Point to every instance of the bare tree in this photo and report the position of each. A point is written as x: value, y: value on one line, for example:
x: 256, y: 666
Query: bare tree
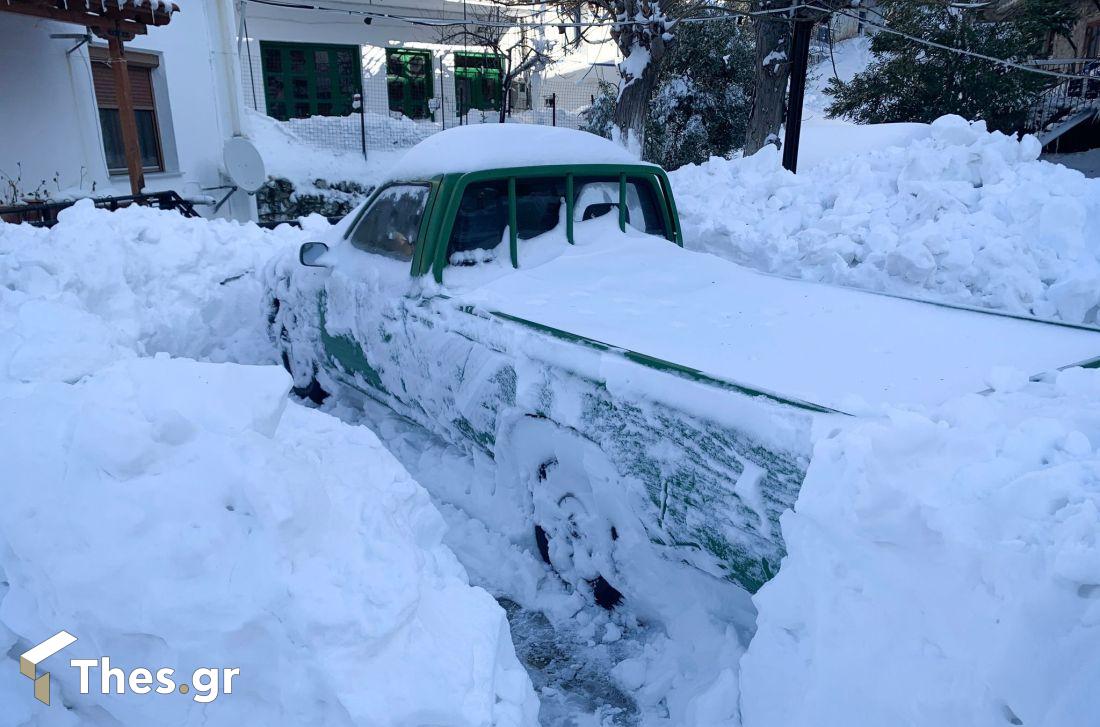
x: 519, y: 48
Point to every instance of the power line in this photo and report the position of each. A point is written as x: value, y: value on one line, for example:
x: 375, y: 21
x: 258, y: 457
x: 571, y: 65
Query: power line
x: 722, y: 14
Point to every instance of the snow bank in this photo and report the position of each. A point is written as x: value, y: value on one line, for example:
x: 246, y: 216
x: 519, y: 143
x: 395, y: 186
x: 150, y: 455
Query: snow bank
x: 942, y: 569
x: 139, y: 280
x: 288, y: 155
x: 961, y: 215
x: 172, y: 513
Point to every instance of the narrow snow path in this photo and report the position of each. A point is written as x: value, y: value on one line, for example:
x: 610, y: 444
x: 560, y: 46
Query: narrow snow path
x: 589, y: 667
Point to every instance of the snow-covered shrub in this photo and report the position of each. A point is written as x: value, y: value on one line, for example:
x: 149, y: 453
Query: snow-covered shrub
x: 700, y: 106
x: 943, y: 568
x: 959, y: 215
x: 599, y: 117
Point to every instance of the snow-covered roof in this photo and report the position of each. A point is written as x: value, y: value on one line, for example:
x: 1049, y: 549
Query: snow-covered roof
x: 494, y: 146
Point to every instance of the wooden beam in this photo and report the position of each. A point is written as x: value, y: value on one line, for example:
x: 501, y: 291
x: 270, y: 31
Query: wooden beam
x: 126, y: 116
x: 132, y: 20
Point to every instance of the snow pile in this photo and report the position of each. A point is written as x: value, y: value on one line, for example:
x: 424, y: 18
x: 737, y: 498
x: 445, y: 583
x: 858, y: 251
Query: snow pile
x: 172, y: 513
x: 943, y: 569
x: 140, y: 280
x: 289, y: 155
x: 960, y: 215
x: 383, y: 131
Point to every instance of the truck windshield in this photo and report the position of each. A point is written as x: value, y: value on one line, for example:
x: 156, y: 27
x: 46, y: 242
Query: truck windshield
x: 391, y: 224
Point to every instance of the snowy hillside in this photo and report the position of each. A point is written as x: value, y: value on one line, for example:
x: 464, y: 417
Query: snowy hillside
x: 173, y: 512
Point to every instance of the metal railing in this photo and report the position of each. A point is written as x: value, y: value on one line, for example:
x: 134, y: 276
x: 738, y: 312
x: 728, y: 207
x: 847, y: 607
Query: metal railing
x: 44, y: 214
x: 1065, y: 98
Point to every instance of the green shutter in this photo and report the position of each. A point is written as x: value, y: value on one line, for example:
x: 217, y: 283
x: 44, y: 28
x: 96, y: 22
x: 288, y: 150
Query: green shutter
x: 409, y: 75
x: 310, y: 79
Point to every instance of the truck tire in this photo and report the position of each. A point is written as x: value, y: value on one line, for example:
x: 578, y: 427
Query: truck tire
x: 571, y: 533
x: 312, y: 391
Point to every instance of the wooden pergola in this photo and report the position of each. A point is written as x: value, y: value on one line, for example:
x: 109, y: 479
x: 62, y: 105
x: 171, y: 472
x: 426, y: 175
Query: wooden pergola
x: 116, y: 21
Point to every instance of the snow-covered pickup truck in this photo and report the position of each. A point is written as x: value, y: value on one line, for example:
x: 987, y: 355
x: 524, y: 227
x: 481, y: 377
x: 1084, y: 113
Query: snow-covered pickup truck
x: 523, y: 292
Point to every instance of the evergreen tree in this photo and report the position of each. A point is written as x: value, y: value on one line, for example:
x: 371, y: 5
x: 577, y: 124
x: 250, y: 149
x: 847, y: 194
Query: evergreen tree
x: 909, y: 81
x: 701, y: 102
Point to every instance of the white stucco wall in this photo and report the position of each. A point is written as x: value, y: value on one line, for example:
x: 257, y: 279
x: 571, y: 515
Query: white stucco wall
x: 50, y: 123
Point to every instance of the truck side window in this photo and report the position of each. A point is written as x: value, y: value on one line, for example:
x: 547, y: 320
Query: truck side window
x: 538, y: 205
x: 482, y: 219
x: 597, y: 196
x: 391, y: 224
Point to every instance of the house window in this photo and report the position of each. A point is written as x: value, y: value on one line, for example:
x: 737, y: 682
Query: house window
x: 478, y: 78
x: 409, y: 81
x: 140, y: 67
x: 309, y: 79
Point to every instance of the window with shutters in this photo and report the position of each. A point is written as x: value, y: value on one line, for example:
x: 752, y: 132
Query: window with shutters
x: 140, y: 67
x: 309, y: 79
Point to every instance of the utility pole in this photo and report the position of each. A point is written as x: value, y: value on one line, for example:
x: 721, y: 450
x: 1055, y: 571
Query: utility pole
x: 800, y: 56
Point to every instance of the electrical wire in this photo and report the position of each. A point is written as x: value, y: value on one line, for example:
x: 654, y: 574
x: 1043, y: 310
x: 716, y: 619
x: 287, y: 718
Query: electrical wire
x: 723, y: 14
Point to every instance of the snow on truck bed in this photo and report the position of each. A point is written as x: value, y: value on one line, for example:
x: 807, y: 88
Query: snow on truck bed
x: 826, y: 345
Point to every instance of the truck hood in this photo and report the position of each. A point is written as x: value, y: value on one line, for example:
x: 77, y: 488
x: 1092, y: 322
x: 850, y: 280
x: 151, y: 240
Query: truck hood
x: 836, y: 347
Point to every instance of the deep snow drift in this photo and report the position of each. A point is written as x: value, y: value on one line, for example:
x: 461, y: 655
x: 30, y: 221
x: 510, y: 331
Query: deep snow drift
x: 958, y: 214
x: 174, y: 513
x: 943, y: 568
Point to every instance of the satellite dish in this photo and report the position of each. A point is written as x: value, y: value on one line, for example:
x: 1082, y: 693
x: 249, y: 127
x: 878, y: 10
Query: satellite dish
x: 244, y: 164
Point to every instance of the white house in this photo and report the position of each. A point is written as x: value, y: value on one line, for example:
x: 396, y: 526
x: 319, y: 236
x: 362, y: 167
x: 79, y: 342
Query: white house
x: 195, y: 67
x: 60, y: 129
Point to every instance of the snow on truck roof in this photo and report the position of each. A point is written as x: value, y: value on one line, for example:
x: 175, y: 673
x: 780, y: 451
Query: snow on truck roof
x: 818, y: 343
x: 480, y: 147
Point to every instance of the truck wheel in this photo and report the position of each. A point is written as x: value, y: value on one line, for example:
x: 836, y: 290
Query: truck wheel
x: 567, y: 541
x: 570, y: 533
x: 313, y: 390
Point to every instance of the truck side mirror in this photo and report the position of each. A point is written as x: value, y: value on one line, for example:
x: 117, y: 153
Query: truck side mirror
x: 310, y: 254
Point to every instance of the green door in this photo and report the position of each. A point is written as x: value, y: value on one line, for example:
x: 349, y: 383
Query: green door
x: 478, y: 82
x: 310, y: 79
x: 409, y: 81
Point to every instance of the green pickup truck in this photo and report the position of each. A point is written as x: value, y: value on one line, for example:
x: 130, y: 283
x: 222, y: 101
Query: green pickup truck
x: 523, y: 292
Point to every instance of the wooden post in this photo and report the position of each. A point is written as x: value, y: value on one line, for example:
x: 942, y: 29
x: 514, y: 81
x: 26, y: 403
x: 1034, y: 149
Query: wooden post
x: 126, y: 116
x: 800, y: 53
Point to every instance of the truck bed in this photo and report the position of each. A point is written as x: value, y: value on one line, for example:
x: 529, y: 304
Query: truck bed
x: 827, y: 345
